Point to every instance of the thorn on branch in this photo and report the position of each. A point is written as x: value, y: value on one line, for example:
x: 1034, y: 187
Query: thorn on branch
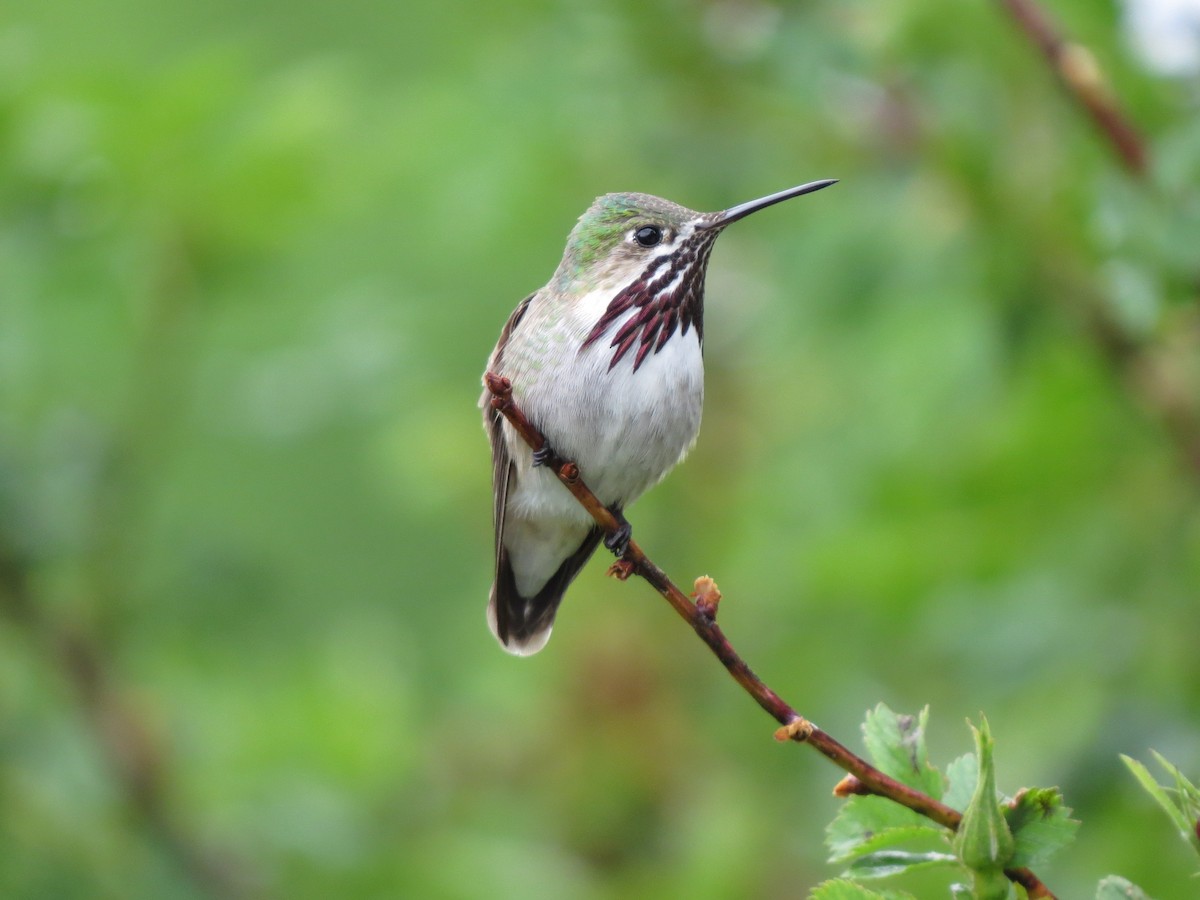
x: 851, y: 787
x: 621, y: 569
x: 799, y: 729
x: 500, y: 387
x: 707, y: 596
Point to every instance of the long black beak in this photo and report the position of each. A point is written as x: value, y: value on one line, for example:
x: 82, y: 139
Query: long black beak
x: 721, y: 219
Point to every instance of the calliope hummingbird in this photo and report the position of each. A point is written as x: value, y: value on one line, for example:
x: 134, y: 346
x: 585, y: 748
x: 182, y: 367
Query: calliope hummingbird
x: 606, y: 362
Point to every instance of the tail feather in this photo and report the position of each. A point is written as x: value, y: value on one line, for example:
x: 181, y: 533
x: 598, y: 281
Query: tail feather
x: 522, y: 625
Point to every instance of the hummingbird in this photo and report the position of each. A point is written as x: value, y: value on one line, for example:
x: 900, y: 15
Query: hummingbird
x: 606, y: 361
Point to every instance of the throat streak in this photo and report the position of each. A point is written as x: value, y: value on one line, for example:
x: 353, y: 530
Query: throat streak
x: 668, y: 295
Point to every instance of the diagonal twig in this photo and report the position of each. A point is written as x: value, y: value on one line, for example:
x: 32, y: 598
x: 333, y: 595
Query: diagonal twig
x: 1143, y: 364
x: 1077, y: 70
x: 701, y: 616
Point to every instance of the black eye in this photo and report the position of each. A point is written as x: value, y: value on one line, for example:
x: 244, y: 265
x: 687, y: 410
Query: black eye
x: 648, y: 235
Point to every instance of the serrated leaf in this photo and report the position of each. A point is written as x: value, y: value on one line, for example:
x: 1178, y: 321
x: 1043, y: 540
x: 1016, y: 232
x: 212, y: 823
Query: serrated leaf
x: 910, y: 834
x: 1040, y: 824
x: 842, y: 889
x: 885, y: 863
x: 1114, y: 887
x: 1181, y: 803
x: 867, y: 823
x: 1155, y: 790
x: 896, y: 744
x: 1188, y: 792
x: 961, y: 777
x: 1188, y: 798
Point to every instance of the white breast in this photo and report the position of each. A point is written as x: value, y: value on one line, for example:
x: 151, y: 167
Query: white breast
x: 626, y: 429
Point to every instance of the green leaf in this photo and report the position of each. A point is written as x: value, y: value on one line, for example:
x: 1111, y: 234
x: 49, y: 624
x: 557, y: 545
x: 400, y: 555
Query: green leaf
x: 1155, y: 790
x: 865, y: 824
x: 1114, y: 887
x: 961, y: 776
x: 894, y: 837
x: 885, y: 863
x: 1040, y: 824
x: 983, y: 841
x: 896, y: 744
x: 842, y: 889
x: 1181, y: 802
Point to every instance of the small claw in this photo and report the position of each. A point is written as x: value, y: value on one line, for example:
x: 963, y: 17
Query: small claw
x: 543, y: 455
x: 618, y: 541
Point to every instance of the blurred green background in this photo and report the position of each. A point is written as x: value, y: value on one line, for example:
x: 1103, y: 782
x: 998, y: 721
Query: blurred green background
x: 252, y: 260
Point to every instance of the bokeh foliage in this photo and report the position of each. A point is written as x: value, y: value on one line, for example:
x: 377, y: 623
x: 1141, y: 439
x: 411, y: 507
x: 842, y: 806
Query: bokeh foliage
x: 252, y: 259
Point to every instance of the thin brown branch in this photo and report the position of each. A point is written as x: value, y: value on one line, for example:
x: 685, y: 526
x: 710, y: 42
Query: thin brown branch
x: 1078, y: 72
x: 701, y: 617
x: 1145, y: 366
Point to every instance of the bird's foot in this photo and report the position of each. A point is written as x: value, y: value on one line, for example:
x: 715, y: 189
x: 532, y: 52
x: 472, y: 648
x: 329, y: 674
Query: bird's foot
x: 544, y: 455
x: 618, y: 541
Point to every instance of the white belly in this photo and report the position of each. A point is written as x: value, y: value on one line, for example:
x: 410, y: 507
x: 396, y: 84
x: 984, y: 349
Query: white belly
x: 625, y: 429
